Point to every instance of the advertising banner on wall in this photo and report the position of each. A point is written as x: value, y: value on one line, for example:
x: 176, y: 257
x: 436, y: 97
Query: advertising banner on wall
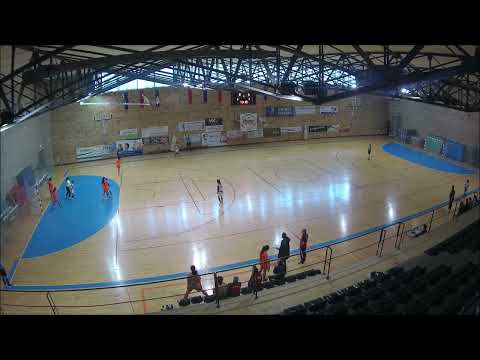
x: 280, y: 111
x: 94, y: 152
x: 195, y: 139
x: 196, y: 125
x: 255, y: 134
x: 248, y: 121
x: 333, y: 128
x: 155, y: 131
x: 213, y: 124
x: 328, y: 109
x: 129, y: 147
x: 155, y: 135
x: 317, y: 128
x: 305, y: 110
x: 271, y: 132
x: 126, y: 134
x: 218, y: 138
x: 291, y: 129
x: 236, y: 135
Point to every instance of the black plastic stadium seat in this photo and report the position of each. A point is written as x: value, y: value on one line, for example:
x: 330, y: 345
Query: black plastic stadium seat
x: 379, y: 277
x: 312, y: 272
x: 382, y: 306
x: 416, y: 307
x: 367, y: 284
x: 315, y: 305
x: 391, y: 285
x: 435, y: 296
x: 336, y: 309
x: 395, y: 271
x: 184, y: 302
x: 246, y: 290
x: 301, y: 276
x: 352, y: 291
x: 453, y: 305
x: 268, y: 285
x: 365, y: 310
x: 290, y: 279
x: 209, y: 298
x: 295, y: 310
x: 335, y: 297
x: 418, y: 271
x: 401, y: 296
x: 407, y: 277
x: 374, y: 293
x: 418, y: 286
x: 357, y: 301
x: 197, y: 299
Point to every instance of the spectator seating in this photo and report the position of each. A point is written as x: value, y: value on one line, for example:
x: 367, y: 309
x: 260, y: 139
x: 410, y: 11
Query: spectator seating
x: 396, y: 291
x: 467, y: 238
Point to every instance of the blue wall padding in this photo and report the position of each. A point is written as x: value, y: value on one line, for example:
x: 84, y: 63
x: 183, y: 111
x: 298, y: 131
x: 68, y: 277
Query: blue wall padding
x: 455, y: 150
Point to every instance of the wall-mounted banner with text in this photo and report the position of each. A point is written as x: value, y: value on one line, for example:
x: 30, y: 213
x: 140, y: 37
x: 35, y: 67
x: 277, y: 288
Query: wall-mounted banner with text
x: 218, y: 138
x: 129, y: 147
x: 248, y: 121
x: 305, y: 110
x: 291, y: 129
x: 195, y: 139
x: 95, y: 152
x: 271, y: 132
x: 280, y: 111
x: 213, y: 124
x: 255, y: 134
x: 196, y: 125
x: 236, y: 135
x: 126, y: 134
x: 317, y: 128
x: 328, y: 109
x: 155, y: 135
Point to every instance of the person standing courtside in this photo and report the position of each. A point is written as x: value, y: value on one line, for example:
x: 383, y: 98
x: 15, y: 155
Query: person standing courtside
x: 466, y: 186
x: 369, y: 150
x: 264, y: 263
x: 303, y: 246
x: 4, y: 276
x: 284, y: 250
x: 451, y: 197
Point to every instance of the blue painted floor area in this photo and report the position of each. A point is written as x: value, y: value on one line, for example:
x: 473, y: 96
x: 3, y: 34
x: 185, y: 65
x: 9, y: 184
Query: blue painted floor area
x: 77, y: 219
x: 426, y: 160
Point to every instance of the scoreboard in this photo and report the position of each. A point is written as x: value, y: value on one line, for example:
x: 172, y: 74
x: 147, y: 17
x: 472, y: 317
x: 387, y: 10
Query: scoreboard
x: 243, y: 98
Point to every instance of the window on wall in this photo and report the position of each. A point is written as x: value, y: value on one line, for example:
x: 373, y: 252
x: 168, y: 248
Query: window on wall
x: 131, y: 85
x: 138, y: 84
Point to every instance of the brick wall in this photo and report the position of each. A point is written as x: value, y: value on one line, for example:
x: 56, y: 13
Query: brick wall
x: 73, y: 126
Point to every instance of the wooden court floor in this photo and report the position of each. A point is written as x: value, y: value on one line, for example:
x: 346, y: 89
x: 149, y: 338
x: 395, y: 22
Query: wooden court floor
x: 169, y: 216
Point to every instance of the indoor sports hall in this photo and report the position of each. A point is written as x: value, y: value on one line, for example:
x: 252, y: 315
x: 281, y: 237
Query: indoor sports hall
x: 296, y: 179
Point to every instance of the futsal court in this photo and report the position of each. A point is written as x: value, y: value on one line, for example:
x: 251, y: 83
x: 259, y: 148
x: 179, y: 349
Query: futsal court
x: 164, y: 215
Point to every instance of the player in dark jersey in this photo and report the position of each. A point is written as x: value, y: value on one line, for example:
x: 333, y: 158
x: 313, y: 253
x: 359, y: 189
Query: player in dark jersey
x: 220, y: 191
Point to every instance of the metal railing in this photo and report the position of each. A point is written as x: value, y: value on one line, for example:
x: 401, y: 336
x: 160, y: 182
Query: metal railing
x: 61, y: 299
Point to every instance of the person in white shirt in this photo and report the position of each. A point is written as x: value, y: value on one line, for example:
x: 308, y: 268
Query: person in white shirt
x: 467, y: 184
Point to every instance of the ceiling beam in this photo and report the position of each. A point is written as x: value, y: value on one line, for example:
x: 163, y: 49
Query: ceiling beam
x: 293, y: 58
x: 364, y: 55
x: 402, y: 80
x: 139, y: 57
x: 36, y: 62
x: 409, y: 57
